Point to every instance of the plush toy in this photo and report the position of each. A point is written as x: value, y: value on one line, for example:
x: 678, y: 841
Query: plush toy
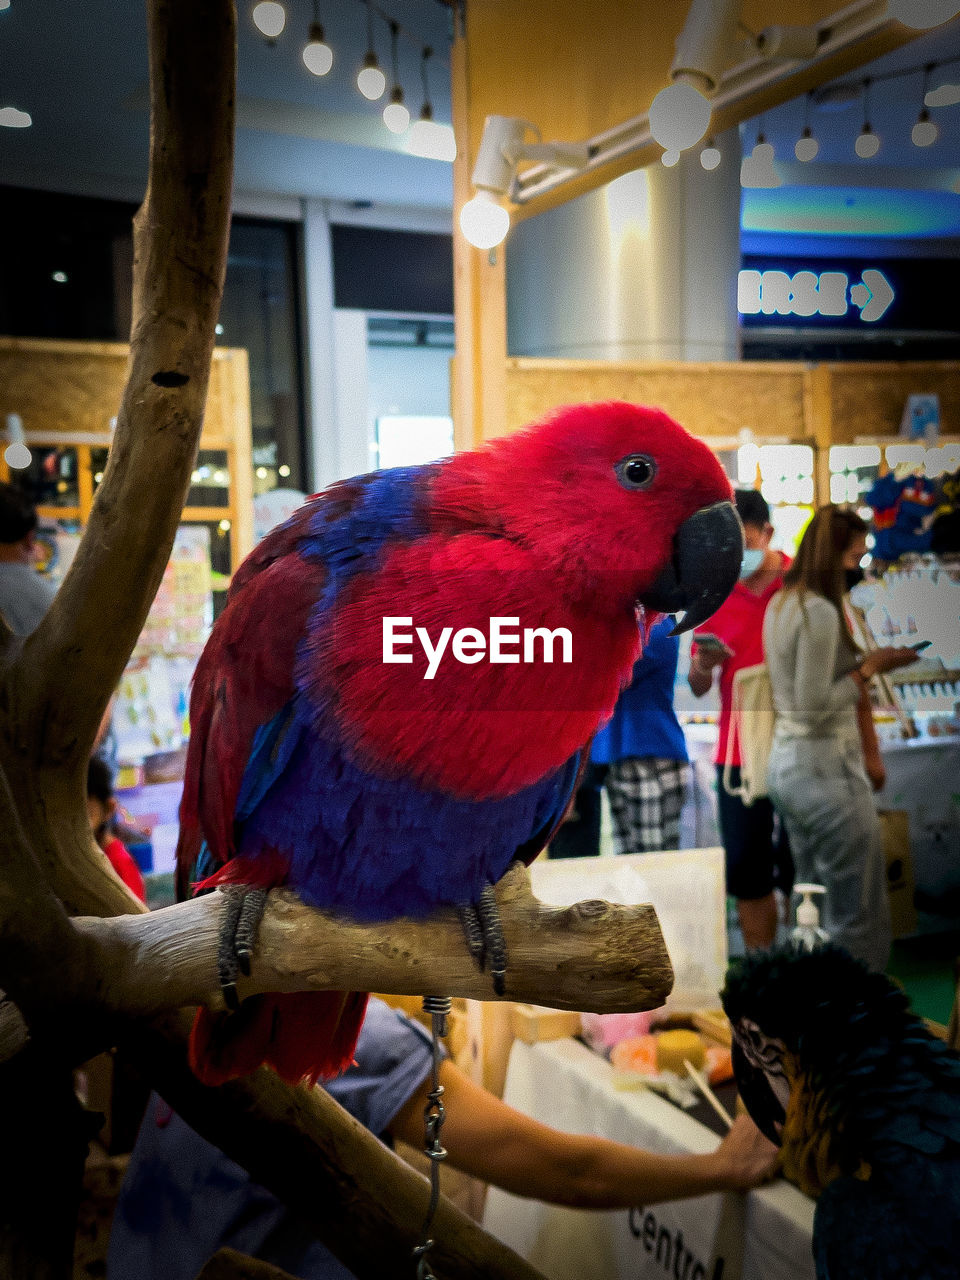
x: 903, y: 511
x: 356, y: 737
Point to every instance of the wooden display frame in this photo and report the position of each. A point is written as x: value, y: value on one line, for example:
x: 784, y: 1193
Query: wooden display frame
x: 763, y: 401
x: 68, y: 392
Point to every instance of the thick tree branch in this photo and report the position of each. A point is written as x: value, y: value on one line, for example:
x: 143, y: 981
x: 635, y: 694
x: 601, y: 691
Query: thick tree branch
x: 70, y: 666
x: 360, y: 1198
x: 592, y: 956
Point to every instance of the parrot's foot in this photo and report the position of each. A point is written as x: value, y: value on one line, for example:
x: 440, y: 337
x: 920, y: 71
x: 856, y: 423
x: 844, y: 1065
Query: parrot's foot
x: 242, y: 914
x: 485, y: 940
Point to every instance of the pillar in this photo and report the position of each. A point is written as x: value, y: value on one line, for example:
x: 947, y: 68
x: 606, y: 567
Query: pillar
x: 642, y: 269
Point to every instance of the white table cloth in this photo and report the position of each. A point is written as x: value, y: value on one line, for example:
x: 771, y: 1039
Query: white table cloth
x: 765, y: 1235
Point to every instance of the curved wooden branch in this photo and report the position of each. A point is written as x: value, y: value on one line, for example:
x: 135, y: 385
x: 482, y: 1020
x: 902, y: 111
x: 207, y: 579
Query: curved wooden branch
x: 592, y: 956
x: 70, y: 666
x: 361, y: 1199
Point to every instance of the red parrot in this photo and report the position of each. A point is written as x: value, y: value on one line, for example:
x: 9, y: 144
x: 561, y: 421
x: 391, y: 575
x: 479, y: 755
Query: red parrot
x: 396, y: 700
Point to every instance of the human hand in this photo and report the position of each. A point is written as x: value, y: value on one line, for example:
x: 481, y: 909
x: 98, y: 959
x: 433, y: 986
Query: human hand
x: 887, y: 659
x: 747, y: 1158
x: 709, y: 656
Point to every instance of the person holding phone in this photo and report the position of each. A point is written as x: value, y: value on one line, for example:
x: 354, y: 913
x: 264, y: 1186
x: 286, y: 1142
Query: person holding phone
x: 757, y: 858
x: 825, y: 754
x: 755, y: 851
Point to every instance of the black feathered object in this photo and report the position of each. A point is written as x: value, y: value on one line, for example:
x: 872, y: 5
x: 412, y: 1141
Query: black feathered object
x: 865, y: 1103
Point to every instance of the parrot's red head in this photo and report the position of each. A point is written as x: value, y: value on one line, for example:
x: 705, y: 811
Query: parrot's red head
x: 618, y: 501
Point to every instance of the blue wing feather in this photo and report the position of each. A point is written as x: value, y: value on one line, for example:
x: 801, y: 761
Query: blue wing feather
x: 379, y: 847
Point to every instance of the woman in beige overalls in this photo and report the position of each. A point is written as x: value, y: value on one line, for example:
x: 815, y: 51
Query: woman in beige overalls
x: 825, y: 756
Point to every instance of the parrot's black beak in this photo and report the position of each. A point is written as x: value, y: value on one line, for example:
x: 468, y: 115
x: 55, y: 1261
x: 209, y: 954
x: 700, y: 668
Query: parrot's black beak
x: 763, y: 1106
x: 707, y: 554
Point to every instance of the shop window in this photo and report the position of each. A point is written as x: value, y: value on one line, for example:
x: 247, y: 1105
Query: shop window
x: 407, y: 440
x: 51, y: 478
x: 98, y: 464
x: 210, y: 481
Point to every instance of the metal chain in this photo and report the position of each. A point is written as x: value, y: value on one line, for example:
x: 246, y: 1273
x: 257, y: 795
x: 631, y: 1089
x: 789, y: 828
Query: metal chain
x: 433, y: 1117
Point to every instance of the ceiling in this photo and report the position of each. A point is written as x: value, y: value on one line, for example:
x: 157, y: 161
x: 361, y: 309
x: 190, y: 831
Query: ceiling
x: 903, y: 191
x: 80, y: 70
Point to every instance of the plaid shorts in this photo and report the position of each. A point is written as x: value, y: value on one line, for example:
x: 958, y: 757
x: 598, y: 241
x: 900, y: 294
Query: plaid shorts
x: 646, y: 797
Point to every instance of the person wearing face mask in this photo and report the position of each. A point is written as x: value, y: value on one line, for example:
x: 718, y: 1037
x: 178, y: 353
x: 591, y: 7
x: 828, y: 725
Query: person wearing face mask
x: 825, y: 755
x: 756, y: 858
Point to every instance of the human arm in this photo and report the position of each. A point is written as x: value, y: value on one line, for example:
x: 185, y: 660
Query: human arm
x: 872, y: 759
x: 879, y: 661
x: 818, y: 696
x: 491, y: 1141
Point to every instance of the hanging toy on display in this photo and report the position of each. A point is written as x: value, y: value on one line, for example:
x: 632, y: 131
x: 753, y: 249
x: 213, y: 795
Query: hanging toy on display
x: 864, y: 1103
x: 884, y: 498
x: 903, y: 508
x: 913, y: 529
x: 945, y: 532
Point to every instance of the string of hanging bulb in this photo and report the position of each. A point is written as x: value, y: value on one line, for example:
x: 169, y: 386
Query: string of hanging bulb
x: 758, y: 168
x: 426, y: 136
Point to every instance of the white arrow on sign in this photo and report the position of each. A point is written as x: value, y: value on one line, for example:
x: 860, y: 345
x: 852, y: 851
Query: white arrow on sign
x: 873, y: 296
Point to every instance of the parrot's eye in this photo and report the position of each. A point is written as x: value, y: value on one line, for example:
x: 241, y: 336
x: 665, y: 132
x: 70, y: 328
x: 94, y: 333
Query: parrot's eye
x: 637, y: 471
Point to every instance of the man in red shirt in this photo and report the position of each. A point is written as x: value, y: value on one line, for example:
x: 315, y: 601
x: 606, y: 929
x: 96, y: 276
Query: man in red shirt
x: 750, y: 837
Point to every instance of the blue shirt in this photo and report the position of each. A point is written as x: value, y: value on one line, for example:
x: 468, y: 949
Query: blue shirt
x: 644, y: 722
x: 182, y: 1199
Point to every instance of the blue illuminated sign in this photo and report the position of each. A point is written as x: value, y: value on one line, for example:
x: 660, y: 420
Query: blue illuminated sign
x: 809, y: 293
x: 908, y: 294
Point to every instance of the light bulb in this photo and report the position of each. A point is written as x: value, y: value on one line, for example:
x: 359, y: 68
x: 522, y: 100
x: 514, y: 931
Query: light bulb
x: 925, y: 132
x: 757, y: 169
x: 317, y: 55
x: 669, y: 159
x: 14, y: 119
x: 17, y: 456
x: 679, y: 116
x: 370, y: 79
x: 867, y: 144
x: 807, y: 146
x: 484, y: 222
x: 921, y: 14
x: 395, y: 115
x: 270, y: 18
x: 431, y: 140
x: 947, y: 95
x: 710, y: 158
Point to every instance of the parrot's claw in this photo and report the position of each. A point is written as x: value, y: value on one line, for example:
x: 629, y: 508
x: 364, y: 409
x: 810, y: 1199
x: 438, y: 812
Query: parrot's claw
x: 484, y: 935
x: 243, y: 910
x: 251, y: 913
x: 496, y: 947
x: 473, y: 933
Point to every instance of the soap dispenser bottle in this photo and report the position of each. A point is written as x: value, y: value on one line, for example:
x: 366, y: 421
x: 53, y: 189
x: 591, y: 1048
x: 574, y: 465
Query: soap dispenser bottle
x: 808, y: 934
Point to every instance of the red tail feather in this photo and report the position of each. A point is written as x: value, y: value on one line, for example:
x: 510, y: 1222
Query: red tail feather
x: 303, y: 1035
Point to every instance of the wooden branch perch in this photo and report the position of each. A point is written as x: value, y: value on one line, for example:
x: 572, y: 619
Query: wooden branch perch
x: 72, y: 663
x: 592, y: 956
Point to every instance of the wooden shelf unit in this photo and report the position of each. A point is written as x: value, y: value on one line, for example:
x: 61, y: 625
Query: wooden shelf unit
x: 68, y: 393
